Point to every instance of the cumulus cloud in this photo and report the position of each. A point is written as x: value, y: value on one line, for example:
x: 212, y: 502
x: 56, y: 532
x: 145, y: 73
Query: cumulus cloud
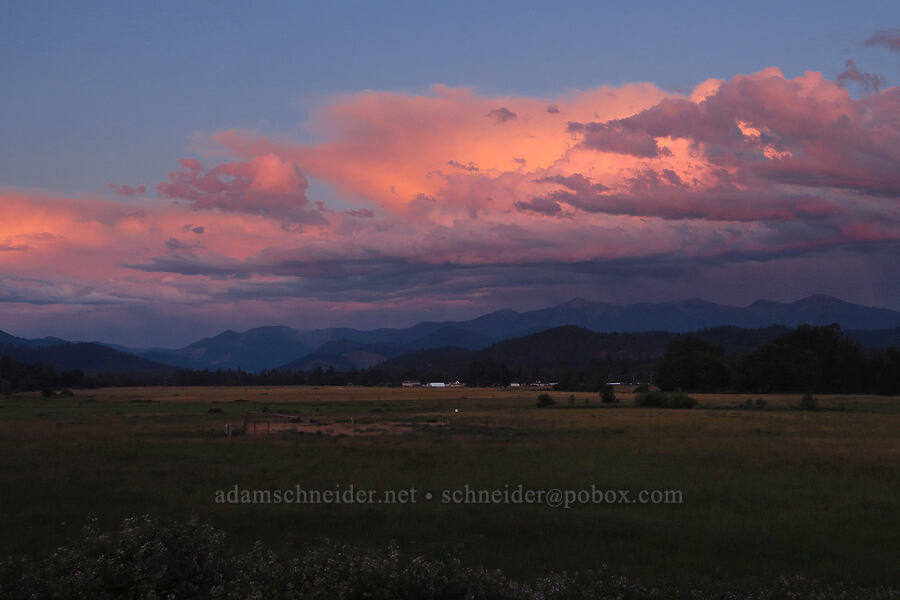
x: 265, y: 185
x: 793, y: 157
x: 439, y: 207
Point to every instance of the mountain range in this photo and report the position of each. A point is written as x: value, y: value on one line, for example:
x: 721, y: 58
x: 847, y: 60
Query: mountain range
x: 346, y: 348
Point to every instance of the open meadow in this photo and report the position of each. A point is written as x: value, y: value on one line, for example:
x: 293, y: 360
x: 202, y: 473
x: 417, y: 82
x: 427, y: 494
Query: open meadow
x: 764, y: 490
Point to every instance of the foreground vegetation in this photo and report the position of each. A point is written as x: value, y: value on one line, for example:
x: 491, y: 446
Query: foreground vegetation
x: 769, y: 489
x: 147, y: 559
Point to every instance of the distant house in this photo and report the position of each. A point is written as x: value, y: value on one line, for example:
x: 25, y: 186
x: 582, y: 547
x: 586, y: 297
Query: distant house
x: 411, y: 383
x: 542, y: 384
x: 515, y: 385
x: 437, y: 384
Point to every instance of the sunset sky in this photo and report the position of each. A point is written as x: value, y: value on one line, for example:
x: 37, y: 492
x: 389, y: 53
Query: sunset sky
x: 175, y: 169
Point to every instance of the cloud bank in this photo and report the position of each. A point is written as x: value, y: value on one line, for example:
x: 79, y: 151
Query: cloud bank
x: 460, y: 202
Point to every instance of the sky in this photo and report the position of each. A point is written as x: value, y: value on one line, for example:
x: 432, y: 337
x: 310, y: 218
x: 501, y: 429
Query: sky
x: 170, y: 170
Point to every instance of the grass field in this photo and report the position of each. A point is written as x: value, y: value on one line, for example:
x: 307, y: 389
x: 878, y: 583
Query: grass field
x: 765, y: 491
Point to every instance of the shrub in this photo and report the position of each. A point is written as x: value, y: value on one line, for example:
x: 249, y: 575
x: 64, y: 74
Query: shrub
x: 658, y: 399
x: 680, y: 400
x: 144, y: 559
x: 545, y: 400
x: 571, y: 399
x: 47, y: 393
x: 643, y: 387
x: 809, y: 402
x: 150, y: 558
x: 758, y: 403
x: 154, y: 559
x: 651, y: 399
x: 66, y: 393
x: 608, y: 395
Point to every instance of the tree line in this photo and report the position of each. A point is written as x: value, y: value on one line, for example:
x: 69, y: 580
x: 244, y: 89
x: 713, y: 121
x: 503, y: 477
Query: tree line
x: 808, y: 359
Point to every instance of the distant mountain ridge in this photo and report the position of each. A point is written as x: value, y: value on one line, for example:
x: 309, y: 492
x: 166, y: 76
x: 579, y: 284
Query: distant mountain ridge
x: 11, y: 340
x: 87, y: 357
x: 273, y: 347
x: 480, y: 332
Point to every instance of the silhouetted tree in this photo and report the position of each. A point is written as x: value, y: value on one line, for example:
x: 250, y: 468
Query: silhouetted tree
x: 693, y: 365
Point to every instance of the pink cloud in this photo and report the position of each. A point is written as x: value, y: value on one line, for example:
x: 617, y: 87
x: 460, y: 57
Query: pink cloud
x: 127, y: 190
x: 390, y: 147
x: 265, y: 185
x: 439, y: 203
x: 781, y: 154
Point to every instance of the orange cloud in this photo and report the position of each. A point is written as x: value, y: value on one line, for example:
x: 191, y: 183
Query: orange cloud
x: 392, y: 148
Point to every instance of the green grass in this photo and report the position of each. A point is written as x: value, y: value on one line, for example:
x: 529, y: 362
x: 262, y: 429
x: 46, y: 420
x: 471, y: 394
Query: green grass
x: 766, y: 491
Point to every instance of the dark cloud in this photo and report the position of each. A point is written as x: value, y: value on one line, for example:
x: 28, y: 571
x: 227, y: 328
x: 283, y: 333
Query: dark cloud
x: 501, y: 115
x: 470, y: 166
x: 196, y: 230
x: 575, y: 182
x: 887, y: 38
x: 663, y: 194
x: 45, y: 292
x: 361, y: 213
x: 176, y: 245
x: 412, y: 282
x: 543, y: 205
x: 188, y: 263
x: 614, y: 137
x: 870, y: 82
